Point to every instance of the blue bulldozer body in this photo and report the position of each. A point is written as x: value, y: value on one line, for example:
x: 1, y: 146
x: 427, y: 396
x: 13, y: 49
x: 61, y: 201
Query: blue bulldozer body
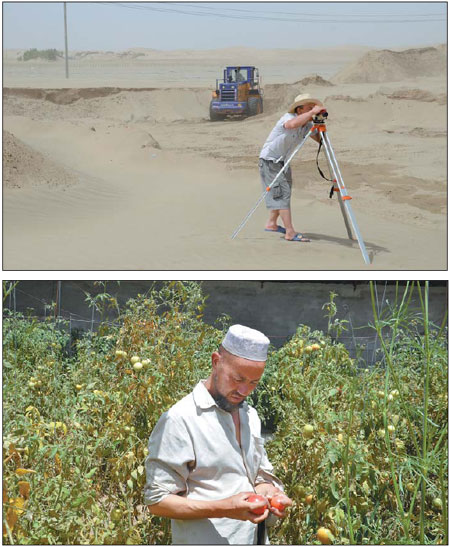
x: 237, y: 94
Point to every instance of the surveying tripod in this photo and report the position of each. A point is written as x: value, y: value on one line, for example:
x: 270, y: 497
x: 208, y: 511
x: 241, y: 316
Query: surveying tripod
x: 319, y: 126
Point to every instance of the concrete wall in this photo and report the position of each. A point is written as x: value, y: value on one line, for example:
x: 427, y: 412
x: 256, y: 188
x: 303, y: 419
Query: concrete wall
x: 277, y: 308
x: 274, y: 307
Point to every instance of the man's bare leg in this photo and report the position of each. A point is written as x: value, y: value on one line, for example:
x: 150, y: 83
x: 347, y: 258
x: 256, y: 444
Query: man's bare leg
x: 286, y: 217
x: 287, y: 221
x: 272, y: 222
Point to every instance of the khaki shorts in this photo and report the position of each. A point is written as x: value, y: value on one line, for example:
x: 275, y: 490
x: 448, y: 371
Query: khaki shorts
x: 279, y: 196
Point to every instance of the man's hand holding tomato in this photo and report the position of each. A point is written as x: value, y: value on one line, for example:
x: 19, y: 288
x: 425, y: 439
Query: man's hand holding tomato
x: 277, y: 498
x: 278, y: 504
x: 243, y: 507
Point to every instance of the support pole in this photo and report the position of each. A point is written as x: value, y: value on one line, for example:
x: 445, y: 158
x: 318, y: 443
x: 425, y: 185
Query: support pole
x: 65, y: 40
x: 58, y: 300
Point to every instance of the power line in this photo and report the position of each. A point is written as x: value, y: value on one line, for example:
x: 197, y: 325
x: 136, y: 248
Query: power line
x: 294, y: 19
x: 202, y: 6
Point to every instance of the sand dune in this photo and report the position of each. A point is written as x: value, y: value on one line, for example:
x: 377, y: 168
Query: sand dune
x: 24, y: 167
x: 394, y: 66
x: 139, y: 178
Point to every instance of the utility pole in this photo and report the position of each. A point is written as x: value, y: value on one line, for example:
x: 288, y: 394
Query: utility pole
x: 65, y: 40
x: 58, y: 300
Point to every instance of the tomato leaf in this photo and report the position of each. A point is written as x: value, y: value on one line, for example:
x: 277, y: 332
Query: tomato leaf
x: 21, y: 471
x: 334, y: 491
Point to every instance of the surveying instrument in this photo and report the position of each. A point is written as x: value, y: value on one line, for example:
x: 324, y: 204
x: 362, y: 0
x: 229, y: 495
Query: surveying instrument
x: 319, y: 127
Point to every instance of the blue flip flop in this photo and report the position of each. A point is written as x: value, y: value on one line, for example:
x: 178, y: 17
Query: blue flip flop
x: 299, y: 237
x: 279, y: 229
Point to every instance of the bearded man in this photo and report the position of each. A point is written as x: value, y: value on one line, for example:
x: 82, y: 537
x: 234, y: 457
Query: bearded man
x: 207, y: 457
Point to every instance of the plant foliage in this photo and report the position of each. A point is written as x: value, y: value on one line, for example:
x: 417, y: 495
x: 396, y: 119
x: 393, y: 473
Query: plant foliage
x: 76, y: 424
x: 46, y: 54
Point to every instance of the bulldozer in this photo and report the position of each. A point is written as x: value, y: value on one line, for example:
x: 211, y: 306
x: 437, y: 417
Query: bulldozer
x: 237, y: 94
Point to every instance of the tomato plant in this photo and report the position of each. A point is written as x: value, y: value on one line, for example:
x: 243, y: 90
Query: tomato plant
x: 346, y: 440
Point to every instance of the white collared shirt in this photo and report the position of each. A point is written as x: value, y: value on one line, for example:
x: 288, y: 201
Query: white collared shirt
x: 193, y: 452
x: 281, y: 141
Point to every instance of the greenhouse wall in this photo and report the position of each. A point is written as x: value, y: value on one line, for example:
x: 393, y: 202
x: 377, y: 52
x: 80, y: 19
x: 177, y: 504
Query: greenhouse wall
x: 274, y: 307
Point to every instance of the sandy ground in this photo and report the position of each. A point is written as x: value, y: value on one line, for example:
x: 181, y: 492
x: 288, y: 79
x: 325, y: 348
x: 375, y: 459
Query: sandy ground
x: 118, y: 175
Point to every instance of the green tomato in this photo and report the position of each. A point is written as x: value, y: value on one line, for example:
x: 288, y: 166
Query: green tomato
x: 437, y: 504
x: 300, y: 491
x: 116, y: 515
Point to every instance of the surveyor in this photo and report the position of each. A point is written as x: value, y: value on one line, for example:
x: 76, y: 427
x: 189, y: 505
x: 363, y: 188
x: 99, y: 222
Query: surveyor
x: 206, y: 454
x: 288, y: 132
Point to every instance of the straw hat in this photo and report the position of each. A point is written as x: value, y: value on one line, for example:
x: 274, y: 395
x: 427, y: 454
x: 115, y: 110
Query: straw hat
x: 247, y: 343
x: 302, y: 99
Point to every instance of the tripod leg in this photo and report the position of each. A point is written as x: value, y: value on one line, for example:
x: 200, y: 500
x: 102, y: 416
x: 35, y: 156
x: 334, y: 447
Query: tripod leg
x: 346, y: 221
x: 341, y: 203
x: 343, y: 194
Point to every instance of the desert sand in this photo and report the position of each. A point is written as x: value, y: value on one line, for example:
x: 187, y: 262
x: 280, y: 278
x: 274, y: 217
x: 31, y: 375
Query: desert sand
x: 119, y: 167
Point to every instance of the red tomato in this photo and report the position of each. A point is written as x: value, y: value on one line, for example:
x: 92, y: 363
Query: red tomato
x: 277, y: 503
x: 256, y: 498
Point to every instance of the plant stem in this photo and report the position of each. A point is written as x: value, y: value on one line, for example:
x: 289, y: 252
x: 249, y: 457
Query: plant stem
x: 424, y: 466
x: 8, y: 531
x: 398, y: 314
x: 347, y: 490
x: 388, y: 353
x: 444, y: 503
x: 405, y: 521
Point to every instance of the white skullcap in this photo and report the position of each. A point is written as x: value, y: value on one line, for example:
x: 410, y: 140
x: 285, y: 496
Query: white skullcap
x: 247, y: 343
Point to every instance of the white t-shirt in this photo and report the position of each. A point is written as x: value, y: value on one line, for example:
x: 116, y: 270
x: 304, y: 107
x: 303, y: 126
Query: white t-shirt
x: 281, y: 141
x: 193, y: 452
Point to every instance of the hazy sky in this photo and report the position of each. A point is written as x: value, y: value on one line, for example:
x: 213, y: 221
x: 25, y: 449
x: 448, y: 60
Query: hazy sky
x: 175, y: 25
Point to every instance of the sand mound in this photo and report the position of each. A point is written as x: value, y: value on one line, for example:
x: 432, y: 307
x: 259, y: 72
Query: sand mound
x: 118, y: 104
x: 422, y: 132
x: 24, y: 167
x: 414, y: 95
x: 277, y: 97
x: 63, y: 96
x: 391, y: 66
x: 314, y: 79
x: 345, y: 98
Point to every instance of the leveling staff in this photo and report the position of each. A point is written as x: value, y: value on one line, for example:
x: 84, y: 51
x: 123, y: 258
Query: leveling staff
x: 288, y: 132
